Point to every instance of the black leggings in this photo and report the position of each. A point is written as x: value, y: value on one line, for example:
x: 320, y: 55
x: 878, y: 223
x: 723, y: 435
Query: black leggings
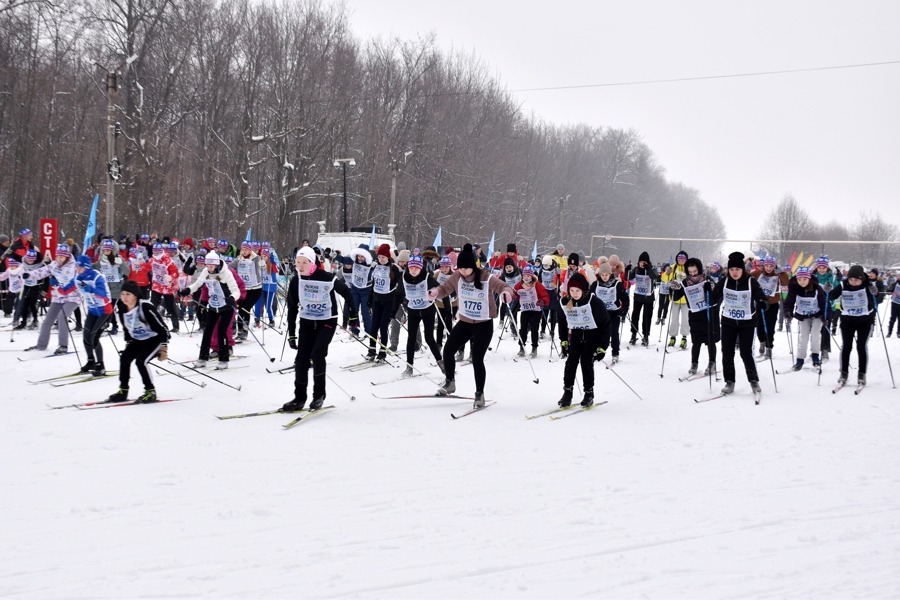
x: 381, y: 318
x: 582, y: 348
x: 168, y: 301
x: 695, y: 351
x: 426, y: 317
x: 861, y: 331
x: 446, y: 316
x: 246, y: 305
x: 311, y: 344
x: 223, y: 318
x: 530, y: 321
x: 140, y: 352
x: 480, y: 334
x: 636, y: 310
x: 662, y: 312
x: 93, y: 329
x: 743, y: 335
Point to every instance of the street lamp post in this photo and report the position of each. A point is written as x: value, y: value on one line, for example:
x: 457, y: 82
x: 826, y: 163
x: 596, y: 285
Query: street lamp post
x: 343, y: 162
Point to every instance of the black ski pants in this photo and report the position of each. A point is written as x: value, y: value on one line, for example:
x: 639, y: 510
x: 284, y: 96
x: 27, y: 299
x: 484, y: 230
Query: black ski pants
x: 861, y: 331
x: 743, y: 336
x: 93, y: 329
x: 311, y: 344
x: 223, y: 318
x: 446, y: 317
x: 480, y: 334
x: 582, y: 348
x: 426, y: 318
x: 663, y: 312
x: 381, y: 317
x: 246, y: 305
x: 646, y: 309
x: 530, y: 321
x: 140, y: 352
x: 168, y: 301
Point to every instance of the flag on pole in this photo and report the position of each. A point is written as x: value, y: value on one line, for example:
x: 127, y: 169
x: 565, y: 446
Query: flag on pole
x: 372, y: 239
x: 91, y: 226
x: 534, y: 251
x: 249, y: 231
x: 792, y: 258
x: 437, y: 240
x: 491, y: 246
x: 797, y: 263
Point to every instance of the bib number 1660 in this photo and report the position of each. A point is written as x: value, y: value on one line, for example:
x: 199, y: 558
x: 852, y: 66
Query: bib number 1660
x: 736, y: 313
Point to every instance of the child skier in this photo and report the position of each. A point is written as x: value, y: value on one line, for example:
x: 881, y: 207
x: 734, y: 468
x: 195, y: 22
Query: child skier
x: 857, y: 298
x: 611, y: 291
x: 643, y: 275
x: 588, y: 323
x: 702, y: 319
x: 223, y: 294
x: 532, y: 299
x: 416, y: 283
x: 93, y: 289
x: 771, y: 282
x: 65, y: 298
x: 806, y: 302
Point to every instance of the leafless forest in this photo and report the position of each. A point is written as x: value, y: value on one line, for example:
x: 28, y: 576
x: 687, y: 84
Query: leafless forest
x: 232, y: 113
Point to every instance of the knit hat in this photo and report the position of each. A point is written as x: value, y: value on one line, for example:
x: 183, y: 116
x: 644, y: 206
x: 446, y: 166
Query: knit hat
x: 145, y: 237
x: 133, y: 252
x: 736, y: 260
x: 509, y: 262
x: 547, y: 261
x: 400, y: 246
x: 604, y: 268
x: 681, y: 254
x: 578, y: 281
x: 716, y: 265
x: 227, y: 260
x: 511, y: 248
x: 803, y: 272
x: 403, y: 256
x: 694, y: 262
x: 131, y: 287
x: 188, y: 242
x: 384, y: 250
x: 157, y: 247
x: 12, y: 263
x: 255, y: 246
x: 770, y: 260
x: 528, y: 270
x: 4, y: 238
x: 222, y: 244
x: 466, y: 258
x: 246, y: 245
x: 856, y: 272
x: 31, y: 255
x: 308, y: 253
x: 211, y: 242
x: 446, y: 262
x: 600, y: 260
x: 875, y: 271
x: 83, y: 261
x: 108, y: 245
x: 573, y: 259
x: 644, y: 257
x: 201, y: 259
x: 173, y: 248
x: 614, y: 260
x: 212, y: 258
x: 822, y: 261
x: 63, y: 250
x: 415, y: 261
x: 25, y: 233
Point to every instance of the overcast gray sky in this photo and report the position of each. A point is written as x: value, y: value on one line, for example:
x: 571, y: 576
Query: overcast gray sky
x: 830, y: 138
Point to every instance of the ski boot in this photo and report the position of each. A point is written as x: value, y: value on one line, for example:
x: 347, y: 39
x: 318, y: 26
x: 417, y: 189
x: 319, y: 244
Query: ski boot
x: 842, y: 378
x: 588, y: 399
x: 370, y: 357
x: 645, y: 341
x: 762, y: 350
x: 148, y: 397
x: 710, y: 368
x: 293, y: 406
x: 479, y: 400
x: 199, y: 363
x: 78, y: 328
x: 633, y: 339
x: 407, y: 373
x: 120, y: 396
x: 729, y: 388
x: 824, y: 354
x: 693, y: 369
x: 317, y: 403
x: 615, y: 359
x: 521, y: 352
x: 20, y: 326
x: 99, y: 370
x: 33, y: 325
x: 61, y: 350
x: 815, y: 361
x: 683, y: 344
x: 566, y: 399
x: 533, y: 352
x: 861, y: 379
x: 88, y: 366
x: 799, y: 364
x: 754, y: 385
x: 222, y: 365
x: 460, y: 356
x: 671, y: 343
x: 448, y: 387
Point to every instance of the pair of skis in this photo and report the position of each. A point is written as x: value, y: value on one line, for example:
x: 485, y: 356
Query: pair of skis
x: 856, y: 392
x: 304, y: 414
x: 571, y: 410
x: 472, y: 411
x: 108, y: 404
x: 757, y: 396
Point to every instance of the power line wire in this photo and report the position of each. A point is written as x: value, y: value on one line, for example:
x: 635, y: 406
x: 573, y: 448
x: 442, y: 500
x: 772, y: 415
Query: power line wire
x: 733, y: 75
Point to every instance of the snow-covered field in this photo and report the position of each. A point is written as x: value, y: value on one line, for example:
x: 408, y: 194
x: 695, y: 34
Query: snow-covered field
x: 798, y: 497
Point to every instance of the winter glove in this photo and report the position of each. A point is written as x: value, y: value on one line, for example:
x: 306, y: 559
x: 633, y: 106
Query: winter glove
x: 506, y: 297
x: 828, y: 287
x: 762, y: 305
x: 564, y: 349
x: 118, y: 260
x: 675, y: 285
x: 163, y: 353
x: 622, y: 318
x: 433, y: 294
x: 292, y: 342
x: 231, y: 303
x: 354, y: 322
x: 787, y: 322
x: 873, y: 289
x: 184, y: 292
x: 599, y: 354
x: 25, y: 275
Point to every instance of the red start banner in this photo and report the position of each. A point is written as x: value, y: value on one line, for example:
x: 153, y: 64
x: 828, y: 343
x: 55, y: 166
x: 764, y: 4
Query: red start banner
x: 49, y: 231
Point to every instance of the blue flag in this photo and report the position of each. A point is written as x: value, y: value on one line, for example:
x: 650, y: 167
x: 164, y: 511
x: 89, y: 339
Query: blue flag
x: 437, y: 240
x: 91, y: 226
x: 372, y: 239
x: 534, y: 252
x: 249, y: 231
x: 490, y: 254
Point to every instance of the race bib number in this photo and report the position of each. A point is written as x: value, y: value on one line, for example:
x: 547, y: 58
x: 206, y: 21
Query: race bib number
x: 608, y: 296
x: 315, y: 299
x: 528, y: 299
x: 382, y: 276
x: 417, y: 295
x: 360, y: 277
x: 159, y: 273
x: 513, y: 281
x: 664, y: 288
x: 736, y: 305
x: 137, y: 328
x: 696, y: 297
x: 580, y: 317
x: 769, y: 285
x: 443, y: 277
x: 547, y: 279
x: 110, y: 271
x: 855, y: 304
x: 216, y: 293
x: 247, y: 271
x: 474, y: 303
x: 806, y: 306
x: 895, y: 296
x: 642, y: 285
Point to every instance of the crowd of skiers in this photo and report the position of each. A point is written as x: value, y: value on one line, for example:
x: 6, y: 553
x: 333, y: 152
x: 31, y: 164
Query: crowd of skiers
x: 446, y: 299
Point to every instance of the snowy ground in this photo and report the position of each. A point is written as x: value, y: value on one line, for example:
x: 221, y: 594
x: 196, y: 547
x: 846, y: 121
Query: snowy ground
x: 658, y: 498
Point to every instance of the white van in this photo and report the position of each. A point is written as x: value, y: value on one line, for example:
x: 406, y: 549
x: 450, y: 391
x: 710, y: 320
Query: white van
x: 347, y: 240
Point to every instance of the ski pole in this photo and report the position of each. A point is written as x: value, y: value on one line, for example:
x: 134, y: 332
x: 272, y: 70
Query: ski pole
x: 771, y: 363
x: 238, y: 388
x: 881, y: 327
x: 330, y: 378
x: 65, y: 320
x: 609, y: 368
x: 709, y: 341
x: 392, y: 353
x: 247, y: 325
x: 503, y: 328
x: 665, y: 352
x: 201, y: 384
x: 552, y: 342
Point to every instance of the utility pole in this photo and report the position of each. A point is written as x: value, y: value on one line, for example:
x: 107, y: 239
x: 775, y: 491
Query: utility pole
x: 112, y: 162
x: 395, y: 172
x: 343, y: 162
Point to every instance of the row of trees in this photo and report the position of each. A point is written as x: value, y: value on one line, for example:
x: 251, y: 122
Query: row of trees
x: 790, y: 221
x: 233, y: 112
